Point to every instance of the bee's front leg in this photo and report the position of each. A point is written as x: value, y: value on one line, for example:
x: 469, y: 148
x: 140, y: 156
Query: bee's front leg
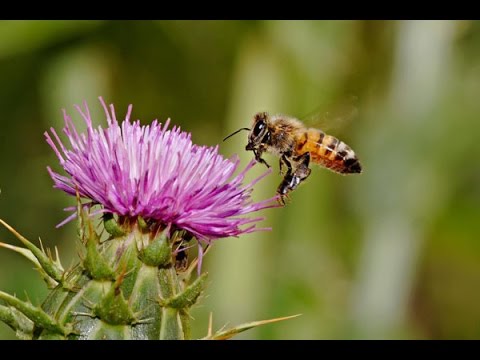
x: 258, y: 157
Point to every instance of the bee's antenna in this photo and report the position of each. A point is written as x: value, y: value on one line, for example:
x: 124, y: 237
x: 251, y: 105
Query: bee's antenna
x: 236, y: 132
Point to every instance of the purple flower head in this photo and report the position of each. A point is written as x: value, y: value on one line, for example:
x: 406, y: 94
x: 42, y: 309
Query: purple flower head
x: 150, y: 171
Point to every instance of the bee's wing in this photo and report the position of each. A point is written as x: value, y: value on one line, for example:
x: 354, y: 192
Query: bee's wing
x: 335, y: 116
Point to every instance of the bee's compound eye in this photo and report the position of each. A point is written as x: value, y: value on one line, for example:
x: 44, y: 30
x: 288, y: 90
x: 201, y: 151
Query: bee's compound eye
x: 258, y: 127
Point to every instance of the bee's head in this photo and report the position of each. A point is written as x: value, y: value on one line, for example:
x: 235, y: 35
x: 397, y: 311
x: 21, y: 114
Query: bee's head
x: 260, y: 133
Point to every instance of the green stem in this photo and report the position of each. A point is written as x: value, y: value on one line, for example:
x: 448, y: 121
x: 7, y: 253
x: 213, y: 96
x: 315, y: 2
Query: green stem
x: 172, y: 326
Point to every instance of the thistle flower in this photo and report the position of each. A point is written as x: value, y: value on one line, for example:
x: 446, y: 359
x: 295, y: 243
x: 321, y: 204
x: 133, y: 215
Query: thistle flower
x: 164, y: 191
x: 156, y: 173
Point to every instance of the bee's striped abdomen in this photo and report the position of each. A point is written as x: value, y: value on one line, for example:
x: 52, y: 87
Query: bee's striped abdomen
x: 328, y: 151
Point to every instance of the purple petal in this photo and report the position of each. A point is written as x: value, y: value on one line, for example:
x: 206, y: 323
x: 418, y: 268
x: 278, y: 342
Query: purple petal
x: 157, y: 173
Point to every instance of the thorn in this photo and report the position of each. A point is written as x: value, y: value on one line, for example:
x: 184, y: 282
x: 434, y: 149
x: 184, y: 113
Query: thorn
x: 79, y: 252
x: 26, y: 296
x: 41, y: 245
x: 122, y: 272
x: 87, y: 303
x: 138, y: 314
x: 57, y: 259
x: 210, y: 325
x: 227, y: 334
x: 143, y: 321
x: 224, y: 327
x: 121, y: 276
x: 79, y: 313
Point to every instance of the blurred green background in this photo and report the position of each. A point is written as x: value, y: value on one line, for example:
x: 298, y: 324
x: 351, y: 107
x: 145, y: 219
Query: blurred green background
x: 392, y: 253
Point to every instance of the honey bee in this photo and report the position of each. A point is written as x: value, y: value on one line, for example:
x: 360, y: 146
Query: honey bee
x: 297, y: 146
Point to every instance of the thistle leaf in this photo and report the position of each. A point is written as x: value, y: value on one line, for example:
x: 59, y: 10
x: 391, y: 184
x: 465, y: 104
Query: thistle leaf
x: 142, y: 224
x: 95, y: 263
x: 17, y: 321
x: 51, y: 283
x: 159, y: 251
x: 24, y: 252
x: 113, y: 308
x: 189, y: 295
x: 112, y: 226
x: 35, y: 314
x: 50, y: 266
x: 227, y: 334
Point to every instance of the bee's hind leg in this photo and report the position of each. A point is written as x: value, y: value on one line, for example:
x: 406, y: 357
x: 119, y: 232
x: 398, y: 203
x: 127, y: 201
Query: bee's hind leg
x: 293, y: 178
x: 289, y: 183
x: 283, y: 199
x: 302, y: 170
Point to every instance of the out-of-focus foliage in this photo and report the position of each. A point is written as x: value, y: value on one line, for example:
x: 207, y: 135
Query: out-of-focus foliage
x: 391, y: 253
